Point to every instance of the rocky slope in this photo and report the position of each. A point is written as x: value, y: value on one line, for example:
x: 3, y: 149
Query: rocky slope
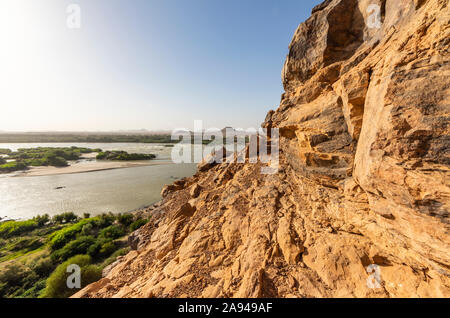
x: 364, y: 176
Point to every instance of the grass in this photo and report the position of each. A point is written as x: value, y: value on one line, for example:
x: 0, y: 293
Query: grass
x: 124, y: 156
x: 19, y: 254
x: 14, y: 228
x: 33, y: 252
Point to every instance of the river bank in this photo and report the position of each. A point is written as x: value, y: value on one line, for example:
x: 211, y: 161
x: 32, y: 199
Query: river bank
x: 86, y: 166
x: 107, y: 186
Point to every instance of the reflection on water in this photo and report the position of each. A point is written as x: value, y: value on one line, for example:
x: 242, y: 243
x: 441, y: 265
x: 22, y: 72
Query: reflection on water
x: 114, y: 191
x: 117, y: 190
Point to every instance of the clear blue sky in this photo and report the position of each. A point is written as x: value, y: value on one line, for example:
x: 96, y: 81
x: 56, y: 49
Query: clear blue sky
x: 153, y: 64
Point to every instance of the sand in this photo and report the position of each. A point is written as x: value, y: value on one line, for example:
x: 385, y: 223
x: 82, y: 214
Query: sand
x: 88, y: 166
x: 91, y: 155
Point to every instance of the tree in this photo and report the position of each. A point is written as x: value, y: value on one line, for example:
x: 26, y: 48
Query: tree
x: 42, y: 220
x: 111, y: 232
x: 137, y: 224
x: 78, y: 246
x: 125, y: 219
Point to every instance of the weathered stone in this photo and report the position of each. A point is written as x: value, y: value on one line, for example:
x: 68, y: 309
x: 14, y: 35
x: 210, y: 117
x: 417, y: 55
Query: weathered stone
x: 195, y: 191
x: 363, y: 184
x: 133, y: 240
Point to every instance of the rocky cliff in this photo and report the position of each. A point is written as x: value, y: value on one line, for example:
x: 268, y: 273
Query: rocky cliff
x: 364, y: 178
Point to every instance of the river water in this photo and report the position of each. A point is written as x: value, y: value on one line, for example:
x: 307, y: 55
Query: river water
x: 118, y: 190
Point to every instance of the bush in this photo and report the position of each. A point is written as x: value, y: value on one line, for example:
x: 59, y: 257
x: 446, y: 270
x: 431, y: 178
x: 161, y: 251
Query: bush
x: 137, y: 224
x: 60, y: 238
x: 4, y: 151
x: 3, y: 290
x: 125, y: 219
x: 43, y: 267
x: 13, y: 274
x: 35, y: 162
x: 103, y: 247
x: 12, y: 166
x: 15, y: 279
x: 86, y: 215
x: 28, y: 243
x: 87, y: 229
x: 41, y: 156
x: 112, y: 232
x: 65, y: 217
x: 101, y: 156
x: 42, y: 220
x: 107, y: 249
x: 123, y: 155
x: 56, y: 286
x: 13, y: 228
x: 105, y: 220
x: 35, y: 291
x: 94, y: 249
x: 54, y: 160
x: 76, y: 247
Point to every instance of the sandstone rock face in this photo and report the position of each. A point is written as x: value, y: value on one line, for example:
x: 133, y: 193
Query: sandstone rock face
x: 363, y: 188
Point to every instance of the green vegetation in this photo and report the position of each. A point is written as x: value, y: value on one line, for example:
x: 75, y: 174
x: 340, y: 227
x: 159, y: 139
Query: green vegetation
x: 65, y: 217
x: 42, y: 156
x: 76, y: 138
x: 58, y: 157
x: 112, y: 232
x: 12, y: 166
x: 79, y: 245
x: 56, y: 286
x: 18, y: 280
x: 137, y: 224
x: 88, y: 138
x: 14, y: 228
x: 45, y: 156
x: 34, y: 254
x: 123, y: 155
x: 4, y: 151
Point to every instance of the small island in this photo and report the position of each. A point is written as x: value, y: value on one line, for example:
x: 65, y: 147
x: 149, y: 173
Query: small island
x: 25, y: 158
x: 123, y: 156
x: 4, y: 151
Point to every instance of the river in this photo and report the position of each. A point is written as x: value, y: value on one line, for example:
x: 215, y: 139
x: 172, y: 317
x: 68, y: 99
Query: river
x: 118, y: 190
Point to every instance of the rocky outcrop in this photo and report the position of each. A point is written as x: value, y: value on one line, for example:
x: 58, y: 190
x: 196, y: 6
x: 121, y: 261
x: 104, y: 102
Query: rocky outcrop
x: 363, y: 190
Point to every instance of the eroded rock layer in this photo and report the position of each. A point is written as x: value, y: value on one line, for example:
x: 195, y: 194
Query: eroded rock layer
x: 364, y: 177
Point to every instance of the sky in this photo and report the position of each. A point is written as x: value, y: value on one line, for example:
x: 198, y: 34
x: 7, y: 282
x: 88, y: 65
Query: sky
x: 143, y: 64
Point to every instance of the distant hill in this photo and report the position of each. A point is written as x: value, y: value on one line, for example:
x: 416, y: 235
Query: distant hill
x: 147, y: 137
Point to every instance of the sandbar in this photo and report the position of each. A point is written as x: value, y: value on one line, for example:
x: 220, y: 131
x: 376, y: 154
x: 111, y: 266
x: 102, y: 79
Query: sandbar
x: 87, y: 166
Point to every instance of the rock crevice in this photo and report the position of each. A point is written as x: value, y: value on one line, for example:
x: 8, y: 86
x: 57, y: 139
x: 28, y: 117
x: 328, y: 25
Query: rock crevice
x: 363, y: 183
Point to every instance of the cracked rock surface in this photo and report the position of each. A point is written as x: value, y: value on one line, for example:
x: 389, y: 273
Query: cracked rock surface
x: 364, y: 176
